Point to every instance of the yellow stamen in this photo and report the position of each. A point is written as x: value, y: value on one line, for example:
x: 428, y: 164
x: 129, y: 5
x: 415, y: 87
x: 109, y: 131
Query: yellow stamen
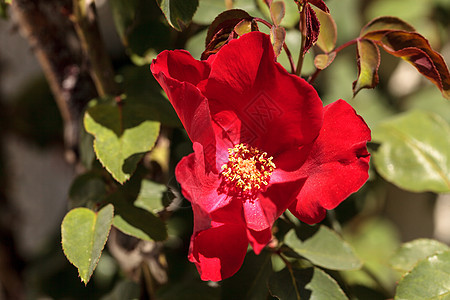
x: 247, y: 171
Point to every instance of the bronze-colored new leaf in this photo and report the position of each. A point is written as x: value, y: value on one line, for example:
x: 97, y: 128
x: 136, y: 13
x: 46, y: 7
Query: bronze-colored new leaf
x: 415, y: 49
x: 277, y: 12
x: 312, y: 25
x: 376, y: 28
x: 368, y: 63
x: 277, y: 37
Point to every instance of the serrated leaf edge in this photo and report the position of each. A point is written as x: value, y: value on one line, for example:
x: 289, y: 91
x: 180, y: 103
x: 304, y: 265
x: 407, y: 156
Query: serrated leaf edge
x: 96, y: 260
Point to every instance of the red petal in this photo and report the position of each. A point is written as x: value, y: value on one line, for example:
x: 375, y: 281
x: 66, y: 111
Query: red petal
x: 219, y: 252
x: 259, y: 239
x: 262, y: 212
x: 181, y: 66
x: 278, y: 196
x: 255, y: 215
x: 178, y: 74
x: 338, y: 163
x: 198, y: 185
x: 281, y: 111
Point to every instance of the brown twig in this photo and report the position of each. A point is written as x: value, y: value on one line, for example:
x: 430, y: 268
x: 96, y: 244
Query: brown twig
x: 85, y: 21
x: 51, y: 35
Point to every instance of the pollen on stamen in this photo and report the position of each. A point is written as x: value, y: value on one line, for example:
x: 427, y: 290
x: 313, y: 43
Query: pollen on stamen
x: 247, y: 171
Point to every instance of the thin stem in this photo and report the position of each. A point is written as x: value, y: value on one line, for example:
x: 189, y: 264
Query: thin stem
x: 289, y: 267
x: 101, y: 69
x: 263, y: 22
x: 285, y: 47
x: 313, y: 77
x: 331, y: 214
x: 302, y: 27
x: 298, y: 71
x: 55, y: 44
x: 291, y: 60
x: 383, y: 289
x: 345, y: 45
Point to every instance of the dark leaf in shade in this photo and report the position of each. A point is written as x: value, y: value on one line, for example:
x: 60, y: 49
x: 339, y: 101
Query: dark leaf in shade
x: 221, y: 30
x: 178, y: 12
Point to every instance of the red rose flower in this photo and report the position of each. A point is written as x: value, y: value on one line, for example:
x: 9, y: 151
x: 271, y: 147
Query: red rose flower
x: 262, y: 143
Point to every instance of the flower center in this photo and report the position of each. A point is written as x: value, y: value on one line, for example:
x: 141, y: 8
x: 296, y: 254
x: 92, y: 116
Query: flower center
x: 247, y: 171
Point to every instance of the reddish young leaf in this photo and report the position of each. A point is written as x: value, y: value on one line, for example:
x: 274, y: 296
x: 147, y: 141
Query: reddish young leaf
x: 320, y: 4
x: 312, y: 25
x: 376, y: 28
x: 416, y: 50
x: 224, y: 20
x: 268, y: 2
x: 222, y: 27
x: 328, y: 33
x: 368, y: 63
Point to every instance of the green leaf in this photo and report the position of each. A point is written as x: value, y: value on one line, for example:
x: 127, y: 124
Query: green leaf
x: 430, y: 279
x: 410, y: 253
x: 84, y: 234
x: 135, y: 220
x: 328, y: 31
x: 434, y: 102
x: 311, y: 283
x: 290, y: 19
x: 124, y: 13
x: 374, y: 241
x: 86, y: 148
x: 150, y: 196
x: 326, y: 249
x: 141, y: 28
x: 414, y: 152
x: 178, y: 12
x: 87, y: 189
x: 368, y: 63
x: 142, y: 88
x: 122, y: 136
x: 250, y: 282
